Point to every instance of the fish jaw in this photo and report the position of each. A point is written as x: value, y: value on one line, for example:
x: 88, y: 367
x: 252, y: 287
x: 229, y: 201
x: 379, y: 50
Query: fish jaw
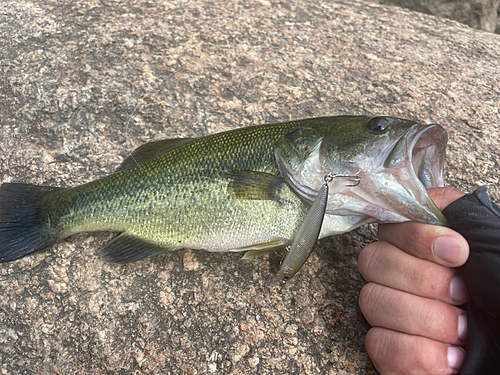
x: 423, y: 148
x: 394, y: 177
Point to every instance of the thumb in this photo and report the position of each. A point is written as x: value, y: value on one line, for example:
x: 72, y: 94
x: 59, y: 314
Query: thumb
x: 443, y: 196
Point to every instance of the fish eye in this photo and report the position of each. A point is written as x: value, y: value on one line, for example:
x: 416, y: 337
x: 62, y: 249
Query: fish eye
x: 377, y: 125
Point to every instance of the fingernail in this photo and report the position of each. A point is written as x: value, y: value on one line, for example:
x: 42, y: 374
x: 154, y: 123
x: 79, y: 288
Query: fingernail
x: 455, y: 357
x: 447, y: 249
x: 458, y: 291
x: 462, y: 327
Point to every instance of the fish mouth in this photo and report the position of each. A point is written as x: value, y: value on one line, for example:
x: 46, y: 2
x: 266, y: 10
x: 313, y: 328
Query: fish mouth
x: 418, y: 160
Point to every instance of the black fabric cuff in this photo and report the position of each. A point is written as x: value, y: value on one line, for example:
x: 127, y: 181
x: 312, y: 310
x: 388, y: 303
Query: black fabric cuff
x: 477, y: 218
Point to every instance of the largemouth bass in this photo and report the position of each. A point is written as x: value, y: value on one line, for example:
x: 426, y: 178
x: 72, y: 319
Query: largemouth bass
x: 248, y: 189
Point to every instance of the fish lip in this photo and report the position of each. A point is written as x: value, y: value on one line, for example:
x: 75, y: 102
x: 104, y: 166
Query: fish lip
x: 423, y: 148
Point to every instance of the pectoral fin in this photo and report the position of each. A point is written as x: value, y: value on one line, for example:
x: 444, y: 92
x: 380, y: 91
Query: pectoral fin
x: 126, y: 248
x: 254, y: 185
x: 151, y: 150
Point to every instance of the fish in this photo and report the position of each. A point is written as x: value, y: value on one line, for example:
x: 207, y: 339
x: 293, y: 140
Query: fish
x: 245, y: 190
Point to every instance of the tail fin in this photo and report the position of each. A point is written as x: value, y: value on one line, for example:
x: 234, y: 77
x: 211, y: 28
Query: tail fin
x: 21, y: 228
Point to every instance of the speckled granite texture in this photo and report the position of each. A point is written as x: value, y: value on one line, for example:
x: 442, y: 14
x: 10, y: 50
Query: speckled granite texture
x: 82, y: 83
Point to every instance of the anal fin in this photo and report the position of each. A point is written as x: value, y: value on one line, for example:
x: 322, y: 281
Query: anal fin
x: 253, y: 251
x: 126, y: 248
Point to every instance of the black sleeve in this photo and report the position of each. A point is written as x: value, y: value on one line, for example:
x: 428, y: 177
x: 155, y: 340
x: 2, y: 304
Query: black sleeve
x: 478, y: 220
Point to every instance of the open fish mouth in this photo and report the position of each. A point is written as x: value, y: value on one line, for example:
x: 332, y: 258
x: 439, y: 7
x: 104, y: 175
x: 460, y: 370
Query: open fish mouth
x: 428, y: 153
x: 420, y: 152
x: 424, y: 147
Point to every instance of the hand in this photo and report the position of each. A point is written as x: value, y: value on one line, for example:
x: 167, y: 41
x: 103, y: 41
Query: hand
x: 412, y: 293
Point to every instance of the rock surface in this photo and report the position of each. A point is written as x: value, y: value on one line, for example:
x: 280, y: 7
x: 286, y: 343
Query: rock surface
x: 82, y: 83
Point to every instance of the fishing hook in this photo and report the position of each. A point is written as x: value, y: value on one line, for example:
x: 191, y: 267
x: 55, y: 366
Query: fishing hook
x: 354, y: 180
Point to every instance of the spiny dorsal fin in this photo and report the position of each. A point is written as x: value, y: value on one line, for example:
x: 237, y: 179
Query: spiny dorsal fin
x: 150, y: 150
x: 254, y: 185
x: 126, y: 248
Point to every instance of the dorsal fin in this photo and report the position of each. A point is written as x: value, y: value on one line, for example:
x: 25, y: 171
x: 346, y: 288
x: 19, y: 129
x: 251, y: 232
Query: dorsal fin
x: 150, y: 150
x: 254, y: 185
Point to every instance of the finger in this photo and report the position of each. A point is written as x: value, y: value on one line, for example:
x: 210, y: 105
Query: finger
x: 404, y: 312
x: 444, y: 196
x: 415, y: 355
x: 383, y: 263
x: 437, y: 244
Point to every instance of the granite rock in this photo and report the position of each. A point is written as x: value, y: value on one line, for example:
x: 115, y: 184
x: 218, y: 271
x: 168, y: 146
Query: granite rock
x: 82, y: 83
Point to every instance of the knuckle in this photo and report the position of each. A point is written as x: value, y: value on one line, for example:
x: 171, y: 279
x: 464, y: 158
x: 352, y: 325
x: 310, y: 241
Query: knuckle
x: 370, y: 301
x: 375, y: 344
x: 368, y: 258
x: 366, y: 295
